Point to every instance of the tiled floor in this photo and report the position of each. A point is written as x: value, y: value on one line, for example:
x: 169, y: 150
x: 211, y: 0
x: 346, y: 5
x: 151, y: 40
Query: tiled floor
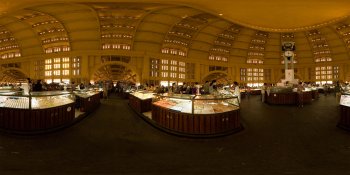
x: 114, y: 140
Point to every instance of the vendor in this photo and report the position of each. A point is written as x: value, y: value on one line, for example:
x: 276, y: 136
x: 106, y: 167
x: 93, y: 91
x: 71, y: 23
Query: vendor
x: 237, y: 92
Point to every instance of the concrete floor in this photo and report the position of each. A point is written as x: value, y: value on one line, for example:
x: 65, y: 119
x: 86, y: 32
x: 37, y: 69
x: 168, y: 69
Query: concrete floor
x: 114, y: 140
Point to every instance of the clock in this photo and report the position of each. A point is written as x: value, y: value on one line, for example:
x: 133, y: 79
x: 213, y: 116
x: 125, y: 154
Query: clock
x: 288, y: 53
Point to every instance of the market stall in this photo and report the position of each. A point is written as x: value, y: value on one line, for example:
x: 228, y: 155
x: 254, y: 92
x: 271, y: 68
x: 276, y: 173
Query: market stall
x: 196, y: 115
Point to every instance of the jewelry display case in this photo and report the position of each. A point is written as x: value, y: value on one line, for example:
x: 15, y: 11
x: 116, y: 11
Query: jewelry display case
x: 36, y: 111
x: 255, y: 91
x: 197, y: 115
x: 87, y: 100
x: 344, y: 121
x: 126, y: 93
x: 314, y: 92
x: 141, y: 101
x: 286, y: 96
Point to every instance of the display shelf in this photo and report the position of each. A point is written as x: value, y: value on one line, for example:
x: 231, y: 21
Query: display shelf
x: 286, y: 96
x: 141, y: 101
x: 344, y: 121
x: 281, y: 98
x: 255, y: 92
x: 87, y: 101
x: 307, y: 97
x: 315, y: 94
x: 196, y: 115
x: 196, y: 124
x: 37, y: 111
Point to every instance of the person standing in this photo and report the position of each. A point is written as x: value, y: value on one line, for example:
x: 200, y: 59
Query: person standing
x: 73, y: 86
x: 206, y: 87
x: 337, y: 90
x: 300, y: 89
x: 105, y: 90
x: 212, y: 87
x: 263, y: 92
x: 237, y: 91
x: 325, y: 89
x: 38, y: 86
x: 248, y: 91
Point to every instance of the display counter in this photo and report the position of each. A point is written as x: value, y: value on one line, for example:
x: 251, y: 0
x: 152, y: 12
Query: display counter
x: 244, y: 92
x: 255, y: 91
x: 125, y: 94
x: 191, y: 115
x: 37, y: 111
x: 141, y: 101
x: 314, y: 94
x: 87, y: 101
x: 329, y: 89
x: 286, y: 96
x: 344, y: 121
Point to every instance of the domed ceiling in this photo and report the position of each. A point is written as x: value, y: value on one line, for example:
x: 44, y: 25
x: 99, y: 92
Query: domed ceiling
x: 249, y: 31
x: 270, y: 15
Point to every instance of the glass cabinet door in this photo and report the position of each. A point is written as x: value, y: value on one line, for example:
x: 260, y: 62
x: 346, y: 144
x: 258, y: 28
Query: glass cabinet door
x: 14, y: 102
x: 201, y: 104
x: 215, y: 104
x: 51, y: 101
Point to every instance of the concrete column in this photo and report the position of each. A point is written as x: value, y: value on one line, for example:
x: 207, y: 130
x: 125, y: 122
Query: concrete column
x: 145, y: 69
x: 85, y: 73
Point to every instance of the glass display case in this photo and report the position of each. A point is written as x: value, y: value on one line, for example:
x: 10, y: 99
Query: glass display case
x: 345, y: 99
x: 87, y: 100
x: 36, y: 100
x: 86, y: 93
x: 197, y: 104
x: 314, y: 92
x: 36, y: 112
x: 196, y: 115
x: 143, y: 95
x: 281, y: 89
x: 287, y: 95
x: 141, y: 101
x: 6, y: 88
x: 344, y: 107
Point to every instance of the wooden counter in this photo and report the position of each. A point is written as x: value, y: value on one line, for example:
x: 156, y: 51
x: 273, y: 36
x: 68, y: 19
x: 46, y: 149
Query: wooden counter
x: 255, y: 92
x: 307, y: 97
x: 88, y: 104
x: 36, y: 119
x: 344, y: 121
x: 315, y: 94
x: 288, y: 98
x: 48, y: 116
x: 281, y: 98
x: 196, y: 124
x: 140, y: 105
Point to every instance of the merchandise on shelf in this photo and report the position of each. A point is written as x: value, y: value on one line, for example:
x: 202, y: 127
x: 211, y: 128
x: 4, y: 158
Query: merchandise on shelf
x: 281, y: 89
x: 201, y: 104
x: 86, y: 93
x: 143, y: 95
x: 39, y: 100
x: 36, y: 112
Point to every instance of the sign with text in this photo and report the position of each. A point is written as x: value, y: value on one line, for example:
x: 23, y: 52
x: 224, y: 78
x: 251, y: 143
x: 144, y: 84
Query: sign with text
x: 345, y: 100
